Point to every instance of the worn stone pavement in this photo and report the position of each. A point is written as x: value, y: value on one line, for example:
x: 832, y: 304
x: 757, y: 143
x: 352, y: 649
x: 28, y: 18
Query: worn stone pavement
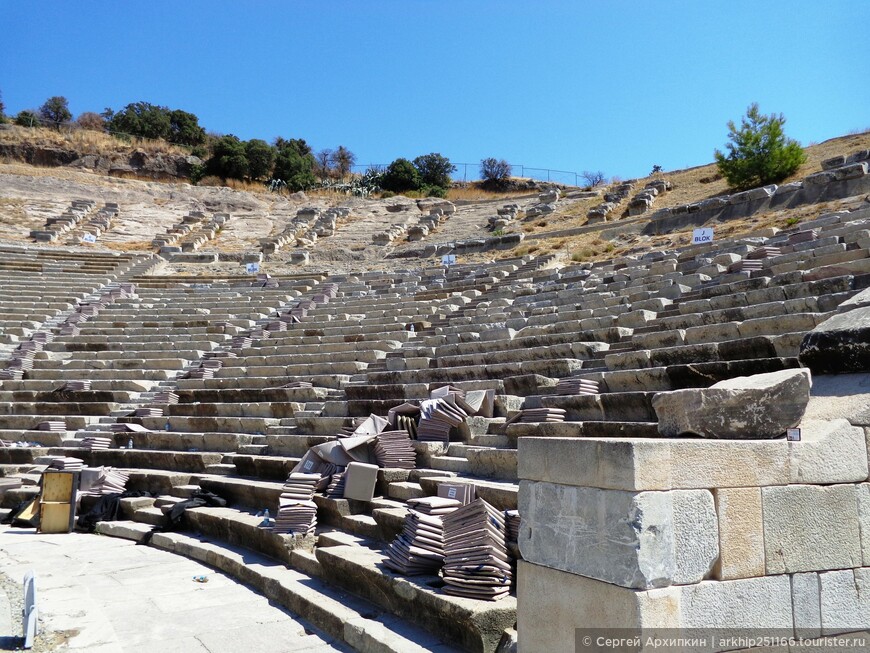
x: 118, y: 597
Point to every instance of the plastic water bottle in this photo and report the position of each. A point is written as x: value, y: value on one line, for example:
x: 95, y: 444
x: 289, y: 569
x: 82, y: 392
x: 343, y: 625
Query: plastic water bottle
x: 412, y: 328
x: 130, y: 443
x: 266, y: 521
x: 166, y: 427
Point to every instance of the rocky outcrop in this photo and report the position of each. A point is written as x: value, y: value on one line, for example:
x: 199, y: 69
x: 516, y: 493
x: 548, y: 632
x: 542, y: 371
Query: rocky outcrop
x: 161, y: 165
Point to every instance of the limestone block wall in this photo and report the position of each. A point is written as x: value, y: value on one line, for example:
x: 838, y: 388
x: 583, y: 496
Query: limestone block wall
x: 684, y: 533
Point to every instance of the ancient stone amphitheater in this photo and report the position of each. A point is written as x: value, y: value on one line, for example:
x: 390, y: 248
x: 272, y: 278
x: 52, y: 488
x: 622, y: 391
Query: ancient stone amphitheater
x: 633, y: 411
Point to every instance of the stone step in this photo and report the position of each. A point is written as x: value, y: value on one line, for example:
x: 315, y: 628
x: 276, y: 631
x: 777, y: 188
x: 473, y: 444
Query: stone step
x: 501, y: 494
x: 221, y: 469
x: 153, y: 516
x: 404, y: 490
x: 474, y: 625
x: 172, y: 461
x: 355, y: 622
x: 614, y: 406
x: 450, y: 464
x: 184, y: 491
x: 589, y: 429
x: 253, y: 449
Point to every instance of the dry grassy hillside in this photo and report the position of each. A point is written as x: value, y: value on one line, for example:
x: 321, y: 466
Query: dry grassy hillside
x: 28, y: 194
x: 689, y: 185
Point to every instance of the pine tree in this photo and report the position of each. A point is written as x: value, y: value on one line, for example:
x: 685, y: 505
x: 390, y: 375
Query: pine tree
x: 759, y: 152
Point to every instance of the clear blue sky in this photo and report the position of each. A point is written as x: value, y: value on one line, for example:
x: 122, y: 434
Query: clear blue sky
x: 571, y: 85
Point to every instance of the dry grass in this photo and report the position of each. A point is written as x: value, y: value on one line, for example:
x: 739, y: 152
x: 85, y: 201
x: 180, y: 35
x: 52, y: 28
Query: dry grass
x: 473, y: 191
x: 235, y: 184
x: 130, y: 246
x: 85, y: 141
x: 695, y: 184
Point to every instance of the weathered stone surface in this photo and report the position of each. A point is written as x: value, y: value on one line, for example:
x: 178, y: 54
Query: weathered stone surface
x: 844, y: 396
x: 641, y: 540
x: 653, y: 464
x: 810, y: 528
x: 806, y: 604
x: 741, y: 536
x: 839, y: 344
x: 750, y: 407
x: 555, y: 603
x: 761, y: 603
x: 845, y: 600
x: 864, y: 521
x: 829, y: 452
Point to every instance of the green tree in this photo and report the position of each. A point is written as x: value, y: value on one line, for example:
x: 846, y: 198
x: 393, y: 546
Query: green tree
x: 55, y: 111
x: 184, y: 128
x: 2, y: 110
x: 141, y: 119
x: 294, y: 164
x: 229, y: 159
x: 434, y: 169
x: 261, y: 158
x: 759, y: 152
x: 401, y: 176
x: 343, y: 159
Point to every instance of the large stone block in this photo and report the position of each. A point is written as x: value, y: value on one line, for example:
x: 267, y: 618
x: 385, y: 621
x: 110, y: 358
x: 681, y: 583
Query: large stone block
x: 747, y: 407
x: 844, y: 396
x: 750, y: 603
x: 829, y: 452
x: 810, y: 528
x: 556, y: 603
x: 741, y: 534
x: 864, y: 521
x: 654, y: 464
x: 806, y: 604
x: 839, y: 344
x: 642, y: 540
x: 845, y: 600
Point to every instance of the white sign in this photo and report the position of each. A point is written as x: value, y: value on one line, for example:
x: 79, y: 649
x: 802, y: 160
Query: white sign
x: 448, y: 259
x: 252, y: 268
x: 793, y: 435
x: 702, y: 236
x: 89, y: 238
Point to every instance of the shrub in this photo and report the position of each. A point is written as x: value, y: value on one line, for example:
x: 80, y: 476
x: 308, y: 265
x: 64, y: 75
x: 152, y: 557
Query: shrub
x: 593, y: 179
x: 433, y: 191
x: 401, y: 176
x: 27, y: 118
x: 197, y: 173
x: 434, y: 170
x: 229, y: 159
x: 759, y: 152
x: 91, y: 121
x: 495, y: 173
x: 294, y: 164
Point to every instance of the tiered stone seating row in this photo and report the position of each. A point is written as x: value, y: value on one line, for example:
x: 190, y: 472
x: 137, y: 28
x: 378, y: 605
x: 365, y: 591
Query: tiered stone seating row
x: 633, y: 326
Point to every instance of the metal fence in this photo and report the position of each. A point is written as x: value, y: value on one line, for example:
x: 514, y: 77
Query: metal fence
x: 463, y: 172
x: 471, y: 172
